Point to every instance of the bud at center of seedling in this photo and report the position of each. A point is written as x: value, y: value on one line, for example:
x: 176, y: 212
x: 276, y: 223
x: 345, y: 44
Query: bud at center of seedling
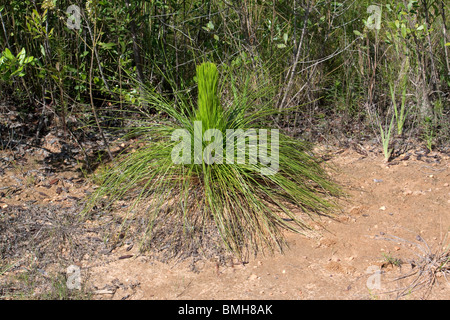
x: 209, y: 111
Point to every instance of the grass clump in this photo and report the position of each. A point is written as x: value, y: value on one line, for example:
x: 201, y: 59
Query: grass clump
x: 239, y: 199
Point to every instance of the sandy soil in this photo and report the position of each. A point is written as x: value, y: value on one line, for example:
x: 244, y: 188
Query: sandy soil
x: 395, y: 214
x: 393, y: 211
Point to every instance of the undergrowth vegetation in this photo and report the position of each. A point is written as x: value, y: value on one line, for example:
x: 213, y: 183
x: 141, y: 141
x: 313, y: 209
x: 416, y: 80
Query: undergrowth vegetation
x: 340, y: 61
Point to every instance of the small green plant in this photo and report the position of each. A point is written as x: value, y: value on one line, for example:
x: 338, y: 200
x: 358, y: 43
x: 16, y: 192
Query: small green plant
x: 429, y: 133
x: 400, y: 115
x: 392, y: 260
x: 247, y: 208
x: 386, y: 140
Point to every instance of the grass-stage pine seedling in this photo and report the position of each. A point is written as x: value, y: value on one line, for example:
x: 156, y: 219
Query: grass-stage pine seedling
x: 248, y: 205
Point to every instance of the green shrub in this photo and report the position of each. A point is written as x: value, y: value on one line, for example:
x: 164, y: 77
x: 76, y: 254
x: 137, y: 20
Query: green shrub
x: 246, y: 204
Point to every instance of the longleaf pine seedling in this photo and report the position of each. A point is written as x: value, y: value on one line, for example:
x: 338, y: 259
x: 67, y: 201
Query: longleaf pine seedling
x: 247, y: 208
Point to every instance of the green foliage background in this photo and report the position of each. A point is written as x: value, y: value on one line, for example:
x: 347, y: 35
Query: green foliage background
x: 343, y: 68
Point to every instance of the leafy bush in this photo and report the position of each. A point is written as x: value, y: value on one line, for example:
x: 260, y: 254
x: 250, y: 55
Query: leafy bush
x: 11, y: 66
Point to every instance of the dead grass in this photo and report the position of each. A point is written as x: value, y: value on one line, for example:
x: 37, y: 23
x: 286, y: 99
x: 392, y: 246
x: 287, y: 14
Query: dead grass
x: 37, y: 244
x: 427, y: 266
